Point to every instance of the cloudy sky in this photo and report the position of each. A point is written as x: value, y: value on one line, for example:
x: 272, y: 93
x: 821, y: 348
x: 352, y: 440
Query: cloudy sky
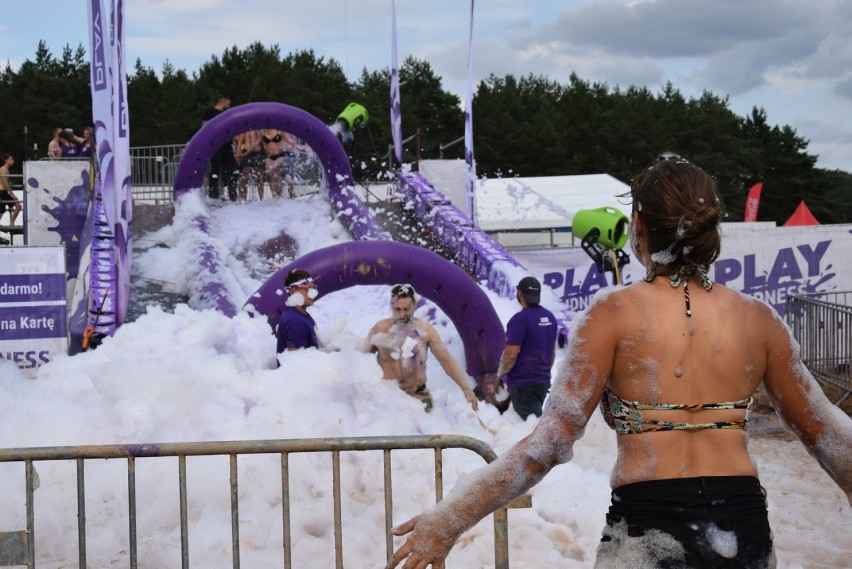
x: 787, y: 56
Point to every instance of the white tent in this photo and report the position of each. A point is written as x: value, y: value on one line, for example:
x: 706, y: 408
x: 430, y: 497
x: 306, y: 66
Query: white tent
x: 544, y: 203
x: 539, y: 212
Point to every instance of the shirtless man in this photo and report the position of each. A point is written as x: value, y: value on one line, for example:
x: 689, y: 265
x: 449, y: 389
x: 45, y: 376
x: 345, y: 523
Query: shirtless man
x: 402, y: 343
x: 8, y: 199
x: 53, y: 151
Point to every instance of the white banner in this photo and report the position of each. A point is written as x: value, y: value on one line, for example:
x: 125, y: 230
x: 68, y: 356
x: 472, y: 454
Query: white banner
x: 58, y: 198
x: 33, y: 310
x: 771, y: 264
x: 450, y: 178
x: 468, y: 126
x: 396, y: 105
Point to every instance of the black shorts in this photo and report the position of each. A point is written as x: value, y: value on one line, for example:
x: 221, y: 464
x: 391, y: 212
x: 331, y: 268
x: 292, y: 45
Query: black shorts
x: 7, y: 201
x: 254, y: 160
x: 718, y: 522
x: 529, y: 399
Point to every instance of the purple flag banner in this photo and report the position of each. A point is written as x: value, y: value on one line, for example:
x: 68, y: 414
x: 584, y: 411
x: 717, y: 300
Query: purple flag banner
x: 396, y: 106
x: 101, y: 49
x: 112, y: 191
x: 123, y: 202
x: 468, y: 125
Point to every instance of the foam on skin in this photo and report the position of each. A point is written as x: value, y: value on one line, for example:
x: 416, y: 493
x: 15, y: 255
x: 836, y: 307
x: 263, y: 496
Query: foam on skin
x: 577, y: 387
x: 571, y: 402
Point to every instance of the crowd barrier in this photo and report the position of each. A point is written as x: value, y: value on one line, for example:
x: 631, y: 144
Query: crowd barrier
x: 822, y: 324
x: 19, y: 547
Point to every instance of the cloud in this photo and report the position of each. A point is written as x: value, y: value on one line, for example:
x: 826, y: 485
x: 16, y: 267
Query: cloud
x: 843, y: 88
x: 730, y: 45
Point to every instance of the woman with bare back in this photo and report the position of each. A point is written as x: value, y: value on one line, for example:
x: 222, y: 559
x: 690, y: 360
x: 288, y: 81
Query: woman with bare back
x: 280, y: 150
x: 673, y: 361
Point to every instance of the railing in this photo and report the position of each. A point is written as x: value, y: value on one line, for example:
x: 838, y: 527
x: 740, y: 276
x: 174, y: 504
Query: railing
x: 822, y: 324
x: 7, y: 228
x: 154, y: 169
x: 19, y: 547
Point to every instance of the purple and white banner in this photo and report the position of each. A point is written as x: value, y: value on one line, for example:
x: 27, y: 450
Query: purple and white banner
x: 33, y: 312
x: 112, y: 184
x: 770, y: 264
x: 468, y: 124
x: 396, y: 104
x: 123, y: 204
x: 58, y: 215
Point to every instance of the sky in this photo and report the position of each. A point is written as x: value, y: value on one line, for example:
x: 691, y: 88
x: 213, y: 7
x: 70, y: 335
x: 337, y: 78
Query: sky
x: 178, y: 374
x: 788, y: 57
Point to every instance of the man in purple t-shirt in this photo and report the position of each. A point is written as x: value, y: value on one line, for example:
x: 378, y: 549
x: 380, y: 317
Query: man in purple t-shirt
x: 296, y: 328
x: 530, y: 351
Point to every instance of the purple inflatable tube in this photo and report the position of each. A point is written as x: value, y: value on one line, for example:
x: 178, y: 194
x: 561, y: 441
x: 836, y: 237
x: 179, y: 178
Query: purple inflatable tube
x: 387, y: 262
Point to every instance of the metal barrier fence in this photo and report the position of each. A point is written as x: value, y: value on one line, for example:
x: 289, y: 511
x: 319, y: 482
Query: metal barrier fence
x: 822, y: 324
x: 19, y: 547
x: 154, y: 168
x: 8, y: 230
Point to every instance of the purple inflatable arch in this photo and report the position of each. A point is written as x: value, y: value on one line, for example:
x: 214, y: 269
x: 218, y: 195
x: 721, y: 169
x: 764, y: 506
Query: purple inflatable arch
x: 387, y: 262
x: 224, y: 127
x: 338, y: 173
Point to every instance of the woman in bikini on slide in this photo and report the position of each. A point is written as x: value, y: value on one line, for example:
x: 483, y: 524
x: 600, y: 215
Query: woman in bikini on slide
x: 280, y: 148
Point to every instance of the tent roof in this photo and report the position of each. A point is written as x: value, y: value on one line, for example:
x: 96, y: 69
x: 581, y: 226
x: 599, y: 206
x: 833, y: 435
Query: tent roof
x: 802, y: 216
x: 544, y: 202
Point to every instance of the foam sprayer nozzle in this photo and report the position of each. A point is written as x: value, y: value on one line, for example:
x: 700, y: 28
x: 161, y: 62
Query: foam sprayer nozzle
x: 611, y: 224
x: 353, y: 116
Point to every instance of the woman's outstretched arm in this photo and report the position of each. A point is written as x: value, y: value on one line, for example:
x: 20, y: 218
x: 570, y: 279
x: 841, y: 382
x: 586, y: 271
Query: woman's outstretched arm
x: 576, y: 391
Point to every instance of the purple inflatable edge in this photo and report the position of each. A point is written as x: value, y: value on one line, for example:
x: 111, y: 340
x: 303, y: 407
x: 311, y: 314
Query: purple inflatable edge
x: 387, y: 263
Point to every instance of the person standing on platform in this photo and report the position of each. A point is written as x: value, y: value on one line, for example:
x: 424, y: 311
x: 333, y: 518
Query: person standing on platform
x: 8, y: 199
x: 223, y: 162
x: 53, y: 150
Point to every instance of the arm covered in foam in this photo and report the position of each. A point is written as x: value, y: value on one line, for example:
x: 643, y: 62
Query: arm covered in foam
x: 578, y: 387
x: 800, y: 402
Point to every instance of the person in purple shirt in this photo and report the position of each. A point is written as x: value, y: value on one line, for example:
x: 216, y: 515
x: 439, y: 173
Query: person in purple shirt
x: 68, y: 144
x: 530, y: 351
x: 296, y: 328
x: 87, y: 143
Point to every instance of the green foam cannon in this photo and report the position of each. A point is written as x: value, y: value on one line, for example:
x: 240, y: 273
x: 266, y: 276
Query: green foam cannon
x: 353, y: 116
x: 610, y: 223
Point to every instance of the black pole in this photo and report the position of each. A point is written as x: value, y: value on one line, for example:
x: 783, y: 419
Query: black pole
x: 26, y: 144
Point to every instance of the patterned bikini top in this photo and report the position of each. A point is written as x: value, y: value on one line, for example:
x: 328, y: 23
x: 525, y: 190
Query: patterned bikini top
x: 625, y: 417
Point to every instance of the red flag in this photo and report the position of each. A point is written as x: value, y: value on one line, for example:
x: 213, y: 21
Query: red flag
x: 752, y: 202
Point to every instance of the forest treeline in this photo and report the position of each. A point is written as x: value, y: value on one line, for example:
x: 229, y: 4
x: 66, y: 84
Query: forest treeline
x: 523, y: 126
